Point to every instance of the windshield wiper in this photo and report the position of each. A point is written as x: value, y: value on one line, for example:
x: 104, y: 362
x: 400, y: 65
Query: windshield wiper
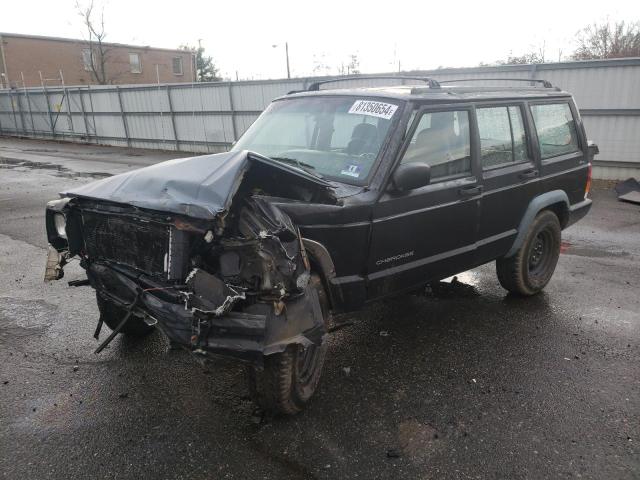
x: 297, y: 163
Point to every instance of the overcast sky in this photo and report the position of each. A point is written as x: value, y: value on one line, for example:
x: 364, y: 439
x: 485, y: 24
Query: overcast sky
x: 420, y: 35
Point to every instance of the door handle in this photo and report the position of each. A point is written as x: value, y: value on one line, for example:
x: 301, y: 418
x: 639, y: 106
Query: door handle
x: 470, y: 191
x: 528, y: 174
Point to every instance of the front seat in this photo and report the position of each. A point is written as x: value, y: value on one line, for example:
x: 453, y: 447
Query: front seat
x: 364, y: 139
x: 434, y: 145
x: 431, y: 146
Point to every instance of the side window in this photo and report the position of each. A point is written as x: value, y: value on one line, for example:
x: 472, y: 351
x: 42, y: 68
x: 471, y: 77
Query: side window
x: 520, y: 151
x: 441, y: 140
x: 556, y: 129
x: 502, y: 136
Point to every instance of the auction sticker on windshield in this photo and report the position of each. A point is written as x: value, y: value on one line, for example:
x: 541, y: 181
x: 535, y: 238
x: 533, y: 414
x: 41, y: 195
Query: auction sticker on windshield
x: 374, y: 109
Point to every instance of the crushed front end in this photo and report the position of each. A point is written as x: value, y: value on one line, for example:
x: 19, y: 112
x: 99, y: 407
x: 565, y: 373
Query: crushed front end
x: 237, y: 287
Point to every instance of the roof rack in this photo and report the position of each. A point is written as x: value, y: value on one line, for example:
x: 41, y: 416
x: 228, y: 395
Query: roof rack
x: 545, y: 83
x: 314, y: 87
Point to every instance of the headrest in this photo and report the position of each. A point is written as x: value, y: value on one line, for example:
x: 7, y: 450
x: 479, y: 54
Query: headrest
x: 364, y: 131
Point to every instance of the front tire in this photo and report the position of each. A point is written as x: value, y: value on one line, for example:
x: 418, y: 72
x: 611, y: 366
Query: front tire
x: 529, y: 270
x: 289, y: 379
x: 112, y: 315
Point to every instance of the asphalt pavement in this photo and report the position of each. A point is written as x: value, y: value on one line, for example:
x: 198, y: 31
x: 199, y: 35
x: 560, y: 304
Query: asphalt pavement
x: 462, y: 381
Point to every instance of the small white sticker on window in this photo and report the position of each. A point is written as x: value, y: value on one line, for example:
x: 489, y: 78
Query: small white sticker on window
x: 352, y: 171
x: 374, y: 109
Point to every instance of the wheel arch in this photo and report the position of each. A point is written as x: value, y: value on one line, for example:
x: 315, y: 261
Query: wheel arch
x: 556, y: 201
x: 322, y: 263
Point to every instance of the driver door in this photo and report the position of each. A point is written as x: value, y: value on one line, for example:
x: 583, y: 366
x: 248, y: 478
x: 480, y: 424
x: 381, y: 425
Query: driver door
x: 430, y: 232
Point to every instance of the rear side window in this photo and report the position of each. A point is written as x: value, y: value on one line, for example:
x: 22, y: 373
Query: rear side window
x: 556, y: 129
x: 441, y: 140
x: 502, y: 136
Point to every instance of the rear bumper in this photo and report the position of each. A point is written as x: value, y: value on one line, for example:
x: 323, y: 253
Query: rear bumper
x: 248, y: 335
x: 577, y: 211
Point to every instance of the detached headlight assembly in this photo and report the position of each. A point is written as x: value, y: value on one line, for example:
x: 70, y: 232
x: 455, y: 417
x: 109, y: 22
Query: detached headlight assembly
x: 61, y: 224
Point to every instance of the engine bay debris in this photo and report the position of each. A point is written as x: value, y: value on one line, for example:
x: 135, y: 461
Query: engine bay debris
x: 201, y: 249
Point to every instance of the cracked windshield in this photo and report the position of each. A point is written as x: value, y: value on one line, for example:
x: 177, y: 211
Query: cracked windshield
x: 334, y: 137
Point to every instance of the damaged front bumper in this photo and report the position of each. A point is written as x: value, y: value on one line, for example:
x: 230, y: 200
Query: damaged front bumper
x: 259, y: 329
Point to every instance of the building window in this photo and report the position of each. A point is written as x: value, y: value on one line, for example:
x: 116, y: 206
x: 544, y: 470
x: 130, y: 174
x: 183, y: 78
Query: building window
x: 134, y: 61
x: 177, y: 66
x: 87, y: 59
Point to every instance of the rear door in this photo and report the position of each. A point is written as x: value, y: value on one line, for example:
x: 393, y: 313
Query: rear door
x: 430, y: 232
x: 510, y: 175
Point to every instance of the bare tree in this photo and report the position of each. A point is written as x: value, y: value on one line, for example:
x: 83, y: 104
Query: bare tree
x: 99, y: 52
x: 353, y: 67
x: 320, y: 66
x: 608, y: 40
x: 531, y: 57
x: 535, y: 55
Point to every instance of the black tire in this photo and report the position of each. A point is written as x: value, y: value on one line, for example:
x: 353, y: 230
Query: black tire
x: 530, y: 269
x: 112, y: 315
x: 289, y: 379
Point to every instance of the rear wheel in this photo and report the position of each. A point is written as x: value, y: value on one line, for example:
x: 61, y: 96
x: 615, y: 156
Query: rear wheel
x: 530, y: 269
x: 289, y: 379
x: 112, y: 315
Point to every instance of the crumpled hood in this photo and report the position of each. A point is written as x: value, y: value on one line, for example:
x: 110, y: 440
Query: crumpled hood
x: 200, y: 187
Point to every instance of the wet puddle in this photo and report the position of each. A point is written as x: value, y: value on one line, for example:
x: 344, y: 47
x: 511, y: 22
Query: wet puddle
x: 591, y: 252
x: 57, y: 170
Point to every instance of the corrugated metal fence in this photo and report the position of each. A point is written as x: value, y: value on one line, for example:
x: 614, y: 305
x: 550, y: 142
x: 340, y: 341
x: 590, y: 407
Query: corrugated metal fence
x: 209, y: 117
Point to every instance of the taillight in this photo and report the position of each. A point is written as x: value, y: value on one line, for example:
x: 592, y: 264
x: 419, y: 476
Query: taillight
x: 587, y: 187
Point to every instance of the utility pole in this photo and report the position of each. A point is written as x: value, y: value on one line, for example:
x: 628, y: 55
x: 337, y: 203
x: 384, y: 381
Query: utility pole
x: 286, y: 52
x: 4, y: 75
x: 195, y: 60
x: 286, y: 49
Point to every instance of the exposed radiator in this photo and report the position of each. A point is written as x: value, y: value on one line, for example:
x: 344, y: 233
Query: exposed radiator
x: 151, y: 247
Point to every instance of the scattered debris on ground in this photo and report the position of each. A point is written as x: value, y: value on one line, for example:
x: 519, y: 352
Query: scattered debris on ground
x: 628, y: 191
x: 339, y: 326
x: 454, y: 288
x: 393, y: 453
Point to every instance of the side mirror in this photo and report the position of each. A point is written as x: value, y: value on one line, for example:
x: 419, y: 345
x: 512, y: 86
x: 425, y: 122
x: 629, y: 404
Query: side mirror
x: 412, y: 175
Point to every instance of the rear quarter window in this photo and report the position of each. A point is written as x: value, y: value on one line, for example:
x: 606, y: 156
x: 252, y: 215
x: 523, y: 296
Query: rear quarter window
x: 556, y: 129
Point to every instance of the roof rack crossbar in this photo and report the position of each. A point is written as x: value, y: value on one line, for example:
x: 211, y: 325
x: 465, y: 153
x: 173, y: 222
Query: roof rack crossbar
x: 314, y: 87
x: 545, y: 83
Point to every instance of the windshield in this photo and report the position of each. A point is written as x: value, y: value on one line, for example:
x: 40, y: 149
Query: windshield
x: 334, y: 137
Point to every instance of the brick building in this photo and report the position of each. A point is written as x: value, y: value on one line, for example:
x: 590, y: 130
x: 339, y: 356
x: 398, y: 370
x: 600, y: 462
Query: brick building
x: 29, y: 56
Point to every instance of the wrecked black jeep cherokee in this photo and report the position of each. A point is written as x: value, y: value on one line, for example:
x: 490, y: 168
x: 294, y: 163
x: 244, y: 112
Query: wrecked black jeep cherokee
x: 331, y: 199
